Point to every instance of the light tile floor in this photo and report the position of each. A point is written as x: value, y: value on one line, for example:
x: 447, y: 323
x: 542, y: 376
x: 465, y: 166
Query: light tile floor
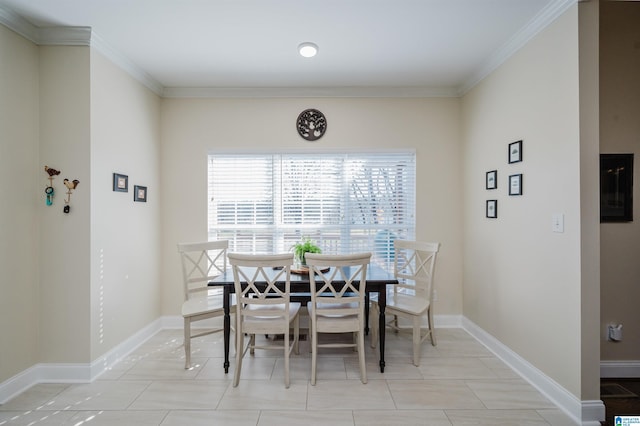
x: 459, y: 382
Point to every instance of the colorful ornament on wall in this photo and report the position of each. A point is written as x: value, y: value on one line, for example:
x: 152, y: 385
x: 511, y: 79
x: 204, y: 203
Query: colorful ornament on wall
x: 49, y: 191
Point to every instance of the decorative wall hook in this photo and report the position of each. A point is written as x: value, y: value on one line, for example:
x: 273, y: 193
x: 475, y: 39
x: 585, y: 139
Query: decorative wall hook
x: 49, y: 188
x: 71, y: 185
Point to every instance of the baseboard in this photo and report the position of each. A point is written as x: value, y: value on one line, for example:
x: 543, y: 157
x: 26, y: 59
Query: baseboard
x: 76, y: 372
x: 619, y: 369
x: 584, y: 413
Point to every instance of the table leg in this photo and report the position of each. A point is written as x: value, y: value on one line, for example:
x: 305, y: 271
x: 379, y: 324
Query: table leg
x: 227, y: 327
x: 366, y: 314
x: 382, y: 304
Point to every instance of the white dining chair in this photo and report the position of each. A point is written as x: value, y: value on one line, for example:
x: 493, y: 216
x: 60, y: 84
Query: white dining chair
x: 412, y: 297
x: 264, y: 306
x: 201, y: 263
x: 337, y: 285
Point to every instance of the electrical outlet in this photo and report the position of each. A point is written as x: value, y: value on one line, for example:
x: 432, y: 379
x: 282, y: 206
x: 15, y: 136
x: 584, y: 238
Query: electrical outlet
x: 557, y: 222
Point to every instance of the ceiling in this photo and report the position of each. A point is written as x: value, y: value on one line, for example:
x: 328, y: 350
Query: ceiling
x: 428, y: 45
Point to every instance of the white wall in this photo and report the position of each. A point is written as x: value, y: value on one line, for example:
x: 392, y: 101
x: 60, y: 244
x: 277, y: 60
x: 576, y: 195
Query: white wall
x: 193, y: 127
x: 125, y: 235
x: 23, y: 182
x: 522, y: 281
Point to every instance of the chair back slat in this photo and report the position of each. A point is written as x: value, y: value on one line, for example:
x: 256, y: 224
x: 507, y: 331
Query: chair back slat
x: 255, y: 283
x: 414, y: 267
x: 337, y: 279
x: 201, y: 263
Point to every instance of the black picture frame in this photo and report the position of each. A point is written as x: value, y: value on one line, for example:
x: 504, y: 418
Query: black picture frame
x: 616, y: 187
x: 140, y: 193
x: 515, y: 152
x: 515, y: 184
x: 120, y: 182
x: 491, y: 180
x: 491, y: 209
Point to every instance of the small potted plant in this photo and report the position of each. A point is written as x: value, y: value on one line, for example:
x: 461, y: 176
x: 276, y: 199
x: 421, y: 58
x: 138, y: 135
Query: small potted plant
x: 306, y: 245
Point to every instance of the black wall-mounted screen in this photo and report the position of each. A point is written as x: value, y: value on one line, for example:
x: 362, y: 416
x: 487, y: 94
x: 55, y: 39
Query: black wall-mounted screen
x: 616, y: 187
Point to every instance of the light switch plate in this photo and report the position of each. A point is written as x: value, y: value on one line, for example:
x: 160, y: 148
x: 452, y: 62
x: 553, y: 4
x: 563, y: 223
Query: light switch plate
x: 557, y: 222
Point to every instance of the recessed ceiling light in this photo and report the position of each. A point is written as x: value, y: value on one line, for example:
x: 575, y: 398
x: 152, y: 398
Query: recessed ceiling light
x: 308, y: 49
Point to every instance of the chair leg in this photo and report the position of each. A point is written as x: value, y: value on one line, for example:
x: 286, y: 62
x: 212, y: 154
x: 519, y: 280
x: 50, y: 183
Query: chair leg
x: 286, y: 358
x: 187, y: 343
x: 314, y: 355
x: 431, y: 327
x: 296, y: 335
x: 374, y: 314
x: 239, y: 355
x: 363, y: 366
x: 416, y: 340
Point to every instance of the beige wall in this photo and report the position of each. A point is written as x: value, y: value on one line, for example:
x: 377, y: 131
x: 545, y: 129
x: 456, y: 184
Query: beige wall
x: 125, y: 235
x: 64, y: 238
x: 522, y: 281
x: 588, y: 21
x: 74, y: 285
x: 21, y: 191
x: 193, y: 127
x: 620, y: 133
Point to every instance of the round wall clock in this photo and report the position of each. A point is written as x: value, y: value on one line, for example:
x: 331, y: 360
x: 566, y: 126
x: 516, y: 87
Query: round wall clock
x: 311, y: 124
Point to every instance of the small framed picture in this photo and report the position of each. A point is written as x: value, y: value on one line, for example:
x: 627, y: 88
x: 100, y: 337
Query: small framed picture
x: 492, y: 209
x: 140, y: 193
x: 515, y: 184
x: 515, y: 152
x: 120, y: 182
x: 492, y: 179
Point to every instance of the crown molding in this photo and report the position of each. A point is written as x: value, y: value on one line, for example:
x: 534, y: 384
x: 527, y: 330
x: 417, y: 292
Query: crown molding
x: 310, y: 92
x: 124, y: 63
x: 18, y: 24
x: 546, y: 16
x: 75, y: 36
x: 84, y: 36
x: 64, y: 36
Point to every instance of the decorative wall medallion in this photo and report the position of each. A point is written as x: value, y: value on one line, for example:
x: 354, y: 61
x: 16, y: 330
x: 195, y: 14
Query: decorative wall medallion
x: 311, y: 124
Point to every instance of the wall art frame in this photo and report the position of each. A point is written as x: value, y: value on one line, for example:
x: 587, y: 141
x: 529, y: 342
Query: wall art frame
x: 491, y: 180
x: 515, y: 184
x: 491, y: 210
x: 515, y: 152
x: 140, y: 193
x: 120, y: 182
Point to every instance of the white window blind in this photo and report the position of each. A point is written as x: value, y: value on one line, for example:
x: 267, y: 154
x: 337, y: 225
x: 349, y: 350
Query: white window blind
x: 264, y: 203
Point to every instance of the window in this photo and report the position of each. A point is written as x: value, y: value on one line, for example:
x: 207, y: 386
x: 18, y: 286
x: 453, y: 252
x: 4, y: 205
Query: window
x: 265, y: 203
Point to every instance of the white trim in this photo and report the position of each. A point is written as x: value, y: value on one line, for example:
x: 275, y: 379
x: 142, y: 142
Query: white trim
x: 586, y: 413
x: 16, y: 23
x: 76, y: 36
x: 619, y: 369
x: 581, y: 412
x: 310, y: 92
x: 543, y: 19
x: 77, y: 372
x: 123, y: 62
x: 64, y: 36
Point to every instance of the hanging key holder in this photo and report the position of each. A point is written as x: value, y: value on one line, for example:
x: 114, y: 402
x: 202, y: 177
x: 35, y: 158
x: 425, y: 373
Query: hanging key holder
x: 48, y: 190
x: 71, y: 185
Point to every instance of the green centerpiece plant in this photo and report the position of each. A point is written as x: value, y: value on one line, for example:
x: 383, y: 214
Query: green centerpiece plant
x: 306, y: 245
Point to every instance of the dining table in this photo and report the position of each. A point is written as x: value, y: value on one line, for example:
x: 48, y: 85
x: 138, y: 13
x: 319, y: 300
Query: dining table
x: 377, y: 281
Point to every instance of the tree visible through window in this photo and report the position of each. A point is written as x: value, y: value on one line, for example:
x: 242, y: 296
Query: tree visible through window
x: 346, y: 203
